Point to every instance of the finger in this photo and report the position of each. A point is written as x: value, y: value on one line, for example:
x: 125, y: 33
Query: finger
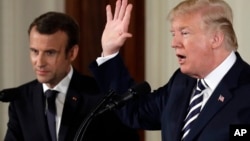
x: 121, y: 40
x: 126, y: 35
x: 109, y: 13
x: 117, y: 9
x: 126, y: 19
x: 123, y: 8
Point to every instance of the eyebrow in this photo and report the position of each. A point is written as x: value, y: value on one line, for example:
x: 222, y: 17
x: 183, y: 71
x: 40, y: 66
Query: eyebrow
x: 180, y: 28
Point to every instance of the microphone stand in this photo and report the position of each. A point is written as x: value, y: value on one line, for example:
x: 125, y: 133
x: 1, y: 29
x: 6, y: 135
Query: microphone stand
x: 117, y: 101
x: 83, y: 127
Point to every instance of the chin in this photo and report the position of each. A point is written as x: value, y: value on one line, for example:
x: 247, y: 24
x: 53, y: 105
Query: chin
x: 42, y: 80
x: 188, y: 72
x: 183, y: 70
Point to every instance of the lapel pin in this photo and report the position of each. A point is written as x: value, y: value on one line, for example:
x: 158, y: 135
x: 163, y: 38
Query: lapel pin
x: 221, y: 98
x: 74, y: 98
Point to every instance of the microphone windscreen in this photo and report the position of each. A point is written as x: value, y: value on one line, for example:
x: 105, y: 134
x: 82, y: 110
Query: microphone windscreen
x: 141, y: 88
x: 10, y: 94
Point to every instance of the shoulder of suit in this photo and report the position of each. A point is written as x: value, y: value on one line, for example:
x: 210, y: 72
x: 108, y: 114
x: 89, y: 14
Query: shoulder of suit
x: 84, y: 82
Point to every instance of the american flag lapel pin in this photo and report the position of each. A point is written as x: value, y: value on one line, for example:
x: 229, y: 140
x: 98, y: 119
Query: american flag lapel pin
x: 221, y: 98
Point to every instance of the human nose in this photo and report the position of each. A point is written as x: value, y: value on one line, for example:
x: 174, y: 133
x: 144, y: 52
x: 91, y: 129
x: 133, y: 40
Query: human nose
x: 176, y: 42
x: 40, y: 60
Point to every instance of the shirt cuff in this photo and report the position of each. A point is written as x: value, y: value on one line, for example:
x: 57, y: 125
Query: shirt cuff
x: 101, y: 60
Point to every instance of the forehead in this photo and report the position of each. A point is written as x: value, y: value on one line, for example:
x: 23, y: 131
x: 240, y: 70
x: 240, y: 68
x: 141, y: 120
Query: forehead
x: 56, y: 40
x: 186, y: 21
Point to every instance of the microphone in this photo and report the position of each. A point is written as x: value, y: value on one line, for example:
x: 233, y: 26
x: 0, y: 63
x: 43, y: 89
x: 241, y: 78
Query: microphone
x: 10, y: 94
x: 142, y: 88
x: 112, y: 103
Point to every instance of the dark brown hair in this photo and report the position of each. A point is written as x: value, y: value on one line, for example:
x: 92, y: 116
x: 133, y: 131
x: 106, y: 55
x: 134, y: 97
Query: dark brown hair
x: 51, y: 22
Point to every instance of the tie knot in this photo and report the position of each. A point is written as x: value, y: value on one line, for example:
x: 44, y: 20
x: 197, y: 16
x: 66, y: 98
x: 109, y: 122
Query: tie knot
x: 201, y: 85
x: 51, y: 94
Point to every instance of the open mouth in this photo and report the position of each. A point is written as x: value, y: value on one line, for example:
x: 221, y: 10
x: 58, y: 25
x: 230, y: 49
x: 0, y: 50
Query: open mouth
x: 181, y: 56
x: 181, y: 59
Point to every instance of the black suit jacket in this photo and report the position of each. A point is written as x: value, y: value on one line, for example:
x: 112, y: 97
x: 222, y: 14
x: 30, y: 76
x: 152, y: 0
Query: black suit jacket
x: 27, y: 120
x: 165, y: 108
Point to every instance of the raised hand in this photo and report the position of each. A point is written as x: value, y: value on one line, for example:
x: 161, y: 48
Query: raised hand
x: 116, y: 29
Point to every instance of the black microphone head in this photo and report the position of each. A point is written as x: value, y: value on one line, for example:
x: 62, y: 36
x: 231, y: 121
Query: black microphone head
x: 119, y: 100
x: 141, y: 88
x: 10, y: 94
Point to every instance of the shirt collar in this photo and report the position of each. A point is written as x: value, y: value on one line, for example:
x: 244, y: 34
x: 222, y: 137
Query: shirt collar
x: 63, y: 85
x: 213, y: 78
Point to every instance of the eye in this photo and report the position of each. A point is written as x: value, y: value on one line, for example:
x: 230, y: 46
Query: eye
x: 173, y: 34
x: 34, y: 51
x: 184, y: 33
x: 50, y: 52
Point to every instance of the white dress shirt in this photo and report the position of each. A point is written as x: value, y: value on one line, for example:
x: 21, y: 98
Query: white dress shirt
x: 62, y: 88
x: 101, y: 60
x: 214, y: 78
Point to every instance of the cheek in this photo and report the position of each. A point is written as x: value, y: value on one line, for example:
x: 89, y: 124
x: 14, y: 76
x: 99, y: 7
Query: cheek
x: 198, y: 46
x: 32, y: 60
x: 60, y: 63
x: 198, y: 54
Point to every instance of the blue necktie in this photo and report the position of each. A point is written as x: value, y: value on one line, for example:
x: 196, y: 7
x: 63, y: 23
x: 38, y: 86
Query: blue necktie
x: 194, y: 108
x: 51, y: 112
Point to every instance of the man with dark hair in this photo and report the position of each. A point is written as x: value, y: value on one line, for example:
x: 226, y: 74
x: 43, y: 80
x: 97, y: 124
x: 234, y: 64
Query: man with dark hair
x: 52, y: 107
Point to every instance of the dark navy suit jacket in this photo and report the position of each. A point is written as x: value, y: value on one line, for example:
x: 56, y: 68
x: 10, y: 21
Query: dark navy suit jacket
x: 165, y: 108
x: 27, y: 120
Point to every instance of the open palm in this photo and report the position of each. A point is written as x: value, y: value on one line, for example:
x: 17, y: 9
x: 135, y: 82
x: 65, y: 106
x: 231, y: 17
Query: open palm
x: 116, y: 29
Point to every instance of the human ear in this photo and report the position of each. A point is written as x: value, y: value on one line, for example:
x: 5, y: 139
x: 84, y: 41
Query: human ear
x: 218, y: 39
x: 73, y: 52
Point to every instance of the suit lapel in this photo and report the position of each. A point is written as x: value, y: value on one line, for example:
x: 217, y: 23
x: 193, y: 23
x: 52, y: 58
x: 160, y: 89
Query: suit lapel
x: 183, y: 111
x: 70, y: 105
x: 220, y: 97
x: 182, y: 92
x: 213, y: 105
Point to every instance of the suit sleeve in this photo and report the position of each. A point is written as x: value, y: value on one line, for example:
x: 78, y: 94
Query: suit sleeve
x: 112, y: 75
x: 141, y: 112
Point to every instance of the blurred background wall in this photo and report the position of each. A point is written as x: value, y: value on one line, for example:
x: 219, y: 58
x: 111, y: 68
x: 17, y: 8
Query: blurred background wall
x: 160, y: 61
